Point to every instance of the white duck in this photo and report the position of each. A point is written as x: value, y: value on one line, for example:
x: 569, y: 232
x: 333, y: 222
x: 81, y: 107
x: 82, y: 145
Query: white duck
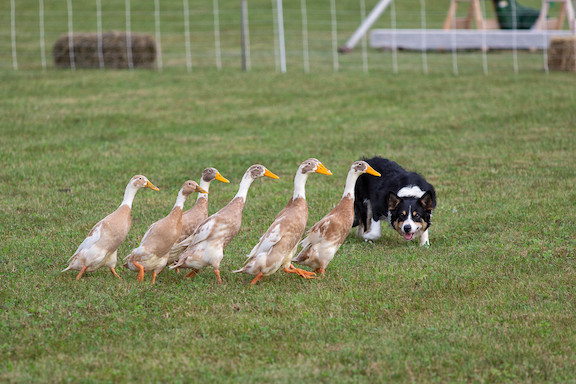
x: 100, y: 248
x: 327, y: 235
x: 279, y: 243
x: 192, y: 218
x: 206, y: 245
x: 152, y: 254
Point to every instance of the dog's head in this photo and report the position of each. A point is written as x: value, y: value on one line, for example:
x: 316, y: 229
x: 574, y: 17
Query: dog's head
x: 410, y: 216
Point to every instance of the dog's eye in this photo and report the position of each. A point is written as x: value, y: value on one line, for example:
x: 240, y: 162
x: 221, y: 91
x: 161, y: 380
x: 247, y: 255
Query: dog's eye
x: 416, y: 215
x: 402, y: 216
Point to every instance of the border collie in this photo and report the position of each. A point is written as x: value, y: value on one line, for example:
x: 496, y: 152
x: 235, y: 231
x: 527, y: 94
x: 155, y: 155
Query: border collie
x: 403, y: 198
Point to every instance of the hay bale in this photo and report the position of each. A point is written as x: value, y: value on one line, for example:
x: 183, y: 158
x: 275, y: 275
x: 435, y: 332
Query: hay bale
x: 114, y: 53
x: 562, y: 54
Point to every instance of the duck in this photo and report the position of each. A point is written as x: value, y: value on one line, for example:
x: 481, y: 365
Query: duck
x: 199, y: 212
x: 152, y: 253
x: 280, y: 242
x: 195, y: 215
x: 326, y: 236
x: 205, y: 247
x: 100, y: 248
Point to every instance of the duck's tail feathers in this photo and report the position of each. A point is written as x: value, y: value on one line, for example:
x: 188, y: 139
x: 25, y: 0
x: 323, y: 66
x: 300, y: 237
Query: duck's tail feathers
x: 177, y: 250
x: 70, y: 261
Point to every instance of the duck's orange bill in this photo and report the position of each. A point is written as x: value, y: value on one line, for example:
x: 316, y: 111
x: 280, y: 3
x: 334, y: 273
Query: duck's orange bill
x: 270, y: 174
x: 372, y: 171
x: 151, y: 186
x: 221, y: 178
x: 201, y: 190
x: 323, y: 170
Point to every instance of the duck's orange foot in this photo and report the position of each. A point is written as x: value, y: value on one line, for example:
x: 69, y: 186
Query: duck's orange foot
x: 217, y: 273
x: 191, y: 274
x: 258, y: 277
x: 154, y: 274
x: 300, y: 272
x: 320, y: 271
x: 114, y: 272
x: 81, y: 273
x: 140, y: 271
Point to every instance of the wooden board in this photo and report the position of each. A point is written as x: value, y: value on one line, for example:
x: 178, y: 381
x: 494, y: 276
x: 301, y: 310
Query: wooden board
x: 439, y: 39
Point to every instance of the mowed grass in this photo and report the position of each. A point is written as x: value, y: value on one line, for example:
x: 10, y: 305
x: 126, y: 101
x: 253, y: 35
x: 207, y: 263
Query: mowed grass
x: 492, y: 300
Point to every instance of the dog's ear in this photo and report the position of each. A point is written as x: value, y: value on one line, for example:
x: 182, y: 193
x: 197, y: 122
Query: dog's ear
x: 393, y: 201
x: 427, y: 201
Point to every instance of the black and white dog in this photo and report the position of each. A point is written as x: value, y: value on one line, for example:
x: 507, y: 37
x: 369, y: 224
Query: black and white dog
x: 405, y: 199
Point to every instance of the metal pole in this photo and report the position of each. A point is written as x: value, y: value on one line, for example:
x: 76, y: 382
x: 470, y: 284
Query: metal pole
x: 187, y: 34
x: 281, y: 40
x: 129, y: 36
x: 158, y: 34
x: 305, y: 52
x: 244, y: 33
x: 13, y: 33
x: 99, y: 30
x: 217, y: 52
x: 42, y: 41
x: 333, y: 22
x: 366, y: 24
x: 71, y: 37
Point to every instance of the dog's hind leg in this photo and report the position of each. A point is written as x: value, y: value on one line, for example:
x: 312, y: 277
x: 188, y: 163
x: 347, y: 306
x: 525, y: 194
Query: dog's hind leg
x: 364, y: 222
x: 375, y: 231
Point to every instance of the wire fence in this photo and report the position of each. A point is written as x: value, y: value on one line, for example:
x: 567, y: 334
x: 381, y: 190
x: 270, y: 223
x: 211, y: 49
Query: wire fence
x: 271, y: 35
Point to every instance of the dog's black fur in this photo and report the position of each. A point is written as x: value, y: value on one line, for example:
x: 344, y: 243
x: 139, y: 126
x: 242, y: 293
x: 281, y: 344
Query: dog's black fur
x: 378, y: 198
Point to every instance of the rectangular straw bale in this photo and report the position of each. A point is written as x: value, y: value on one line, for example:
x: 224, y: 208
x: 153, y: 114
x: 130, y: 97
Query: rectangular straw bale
x: 562, y: 54
x: 114, y: 54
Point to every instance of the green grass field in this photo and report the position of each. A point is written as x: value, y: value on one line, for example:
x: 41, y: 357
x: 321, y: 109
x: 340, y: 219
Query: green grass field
x: 492, y: 300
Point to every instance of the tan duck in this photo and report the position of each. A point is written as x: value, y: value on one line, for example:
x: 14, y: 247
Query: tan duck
x: 327, y: 235
x: 279, y: 243
x: 205, y: 247
x: 100, y: 248
x: 152, y: 254
x: 192, y: 218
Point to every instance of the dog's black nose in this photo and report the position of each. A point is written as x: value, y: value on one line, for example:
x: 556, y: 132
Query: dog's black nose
x: 407, y: 228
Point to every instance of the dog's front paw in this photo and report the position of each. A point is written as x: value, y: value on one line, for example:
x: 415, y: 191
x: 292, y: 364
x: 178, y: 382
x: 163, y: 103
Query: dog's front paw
x: 368, y: 241
x: 424, y: 240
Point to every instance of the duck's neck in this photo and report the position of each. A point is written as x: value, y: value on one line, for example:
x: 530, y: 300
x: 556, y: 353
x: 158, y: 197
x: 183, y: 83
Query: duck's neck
x: 129, y: 194
x: 180, y: 200
x: 350, y: 184
x: 205, y: 185
x: 300, y: 185
x: 244, y: 186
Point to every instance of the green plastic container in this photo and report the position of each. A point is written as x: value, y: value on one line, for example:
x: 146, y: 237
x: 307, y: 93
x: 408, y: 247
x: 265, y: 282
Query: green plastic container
x: 511, y: 15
